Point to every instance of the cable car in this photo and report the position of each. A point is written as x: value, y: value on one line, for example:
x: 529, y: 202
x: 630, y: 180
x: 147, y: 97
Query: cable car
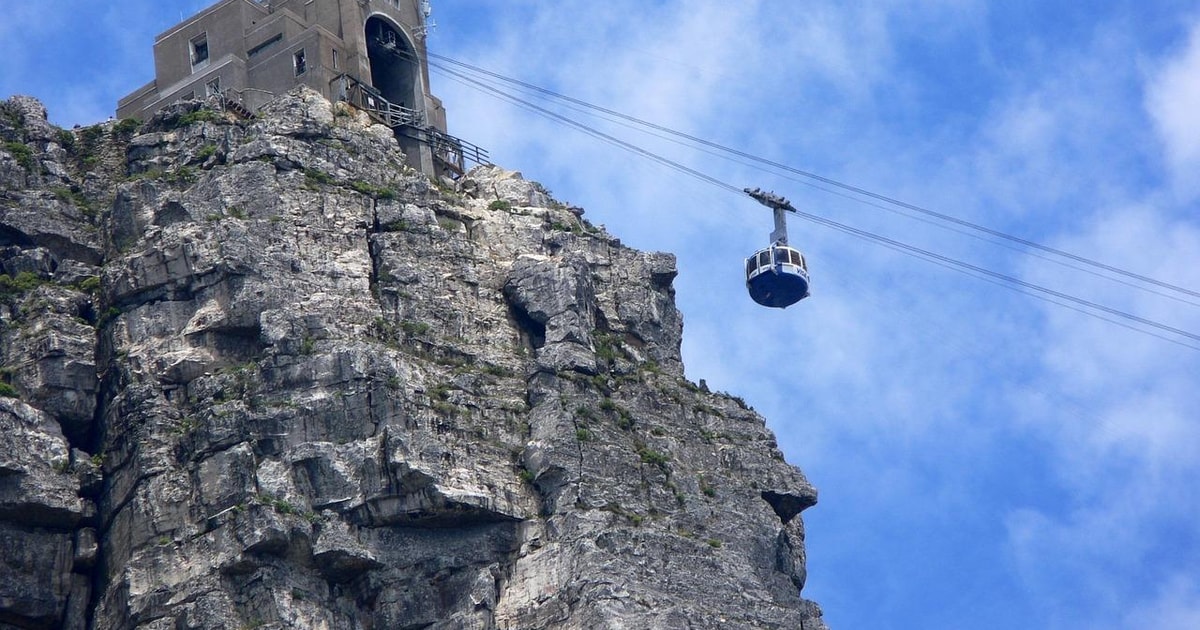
x: 776, y: 276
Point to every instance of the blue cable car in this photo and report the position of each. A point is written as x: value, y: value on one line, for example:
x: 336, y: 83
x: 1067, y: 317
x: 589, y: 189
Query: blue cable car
x: 776, y: 276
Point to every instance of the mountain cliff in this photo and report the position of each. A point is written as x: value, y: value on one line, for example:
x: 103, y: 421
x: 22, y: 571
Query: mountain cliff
x: 257, y: 373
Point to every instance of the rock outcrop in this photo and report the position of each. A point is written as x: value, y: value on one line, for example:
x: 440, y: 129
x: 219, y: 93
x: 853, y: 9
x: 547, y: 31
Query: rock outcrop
x: 260, y: 374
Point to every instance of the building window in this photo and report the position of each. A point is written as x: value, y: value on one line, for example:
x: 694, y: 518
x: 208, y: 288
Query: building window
x: 213, y: 87
x: 298, y: 62
x: 265, y: 45
x: 199, y: 51
x: 335, y: 59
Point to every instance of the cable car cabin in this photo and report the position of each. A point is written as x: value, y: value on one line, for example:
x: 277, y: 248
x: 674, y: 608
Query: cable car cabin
x: 777, y: 276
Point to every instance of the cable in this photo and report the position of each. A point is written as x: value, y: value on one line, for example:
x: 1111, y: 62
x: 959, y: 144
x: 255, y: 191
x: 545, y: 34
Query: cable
x: 831, y: 191
x: 602, y: 136
x: 627, y: 125
x: 1037, y: 255
x: 831, y: 182
x: 1017, y: 282
x: 844, y: 195
x: 1044, y: 298
x: 1044, y: 293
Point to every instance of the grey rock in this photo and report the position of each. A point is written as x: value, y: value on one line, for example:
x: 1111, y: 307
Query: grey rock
x: 39, y: 507
x: 271, y: 377
x: 35, y: 578
x: 35, y: 118
x: 36, y: 488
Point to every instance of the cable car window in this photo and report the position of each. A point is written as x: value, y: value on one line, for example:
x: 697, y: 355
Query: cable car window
x: 797, y: 259
x: 764, y: 258
x: 750, y: 266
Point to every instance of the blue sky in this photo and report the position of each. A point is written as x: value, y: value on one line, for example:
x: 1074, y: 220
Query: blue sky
x: 985, y: 459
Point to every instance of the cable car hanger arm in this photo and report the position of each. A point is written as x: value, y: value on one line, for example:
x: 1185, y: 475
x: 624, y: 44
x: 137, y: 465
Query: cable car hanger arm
x: 769, y: 199
x: 778, y: 205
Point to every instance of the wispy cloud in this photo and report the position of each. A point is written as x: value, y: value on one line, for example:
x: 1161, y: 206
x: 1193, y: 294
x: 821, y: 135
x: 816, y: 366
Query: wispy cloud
x: 1173, y: 99
x: 1177, y: 605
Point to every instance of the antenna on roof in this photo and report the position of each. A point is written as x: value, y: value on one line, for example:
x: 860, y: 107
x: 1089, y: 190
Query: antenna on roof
x: 422, y: 31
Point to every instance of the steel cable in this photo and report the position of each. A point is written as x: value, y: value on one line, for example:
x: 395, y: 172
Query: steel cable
x: 1052, y: 296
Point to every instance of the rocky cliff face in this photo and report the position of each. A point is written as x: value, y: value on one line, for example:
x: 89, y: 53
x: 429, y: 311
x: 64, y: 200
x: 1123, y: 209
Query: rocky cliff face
x: 259, y: 374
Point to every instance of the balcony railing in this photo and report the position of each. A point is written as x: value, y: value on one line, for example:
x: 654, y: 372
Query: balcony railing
x: 453, y: 152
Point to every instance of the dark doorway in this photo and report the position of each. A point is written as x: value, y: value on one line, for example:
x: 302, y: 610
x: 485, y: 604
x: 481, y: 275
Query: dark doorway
x: 396, y: 74
x: 394, y: 67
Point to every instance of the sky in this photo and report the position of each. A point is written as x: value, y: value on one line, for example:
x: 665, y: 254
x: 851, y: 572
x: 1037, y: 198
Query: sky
x: 985, y: 459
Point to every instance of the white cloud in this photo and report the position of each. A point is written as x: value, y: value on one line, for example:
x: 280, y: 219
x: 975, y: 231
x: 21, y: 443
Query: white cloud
x: 1176, y: 607
x: 1173, y: 101
x: 1118, y: 409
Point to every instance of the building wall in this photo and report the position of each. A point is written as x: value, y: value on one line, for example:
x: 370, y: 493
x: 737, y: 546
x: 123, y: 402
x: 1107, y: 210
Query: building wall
x: 225, y: 26
x: 252, y: 47
x: 236, y: 32
x: 276, y: 71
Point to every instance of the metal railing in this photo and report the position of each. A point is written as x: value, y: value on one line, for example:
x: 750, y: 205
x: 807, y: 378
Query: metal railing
x: 453, y: 152
x: 372, y: 101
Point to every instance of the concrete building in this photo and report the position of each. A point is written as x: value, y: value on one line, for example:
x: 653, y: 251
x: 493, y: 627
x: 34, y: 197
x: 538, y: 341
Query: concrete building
x: 370, y: 53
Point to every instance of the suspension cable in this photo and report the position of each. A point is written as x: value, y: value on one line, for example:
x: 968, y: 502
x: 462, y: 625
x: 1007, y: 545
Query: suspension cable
x: 1052, y: 296
x: 875, y: 204
x: 832, y: 182
x: 599, y: 134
